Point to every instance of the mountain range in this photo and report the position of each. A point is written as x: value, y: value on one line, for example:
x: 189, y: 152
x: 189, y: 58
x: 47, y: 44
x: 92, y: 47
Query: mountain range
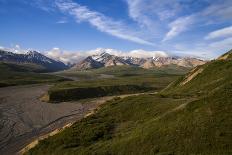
x: 105, y: 60
x: 32, y: 57
x: 95, y: 61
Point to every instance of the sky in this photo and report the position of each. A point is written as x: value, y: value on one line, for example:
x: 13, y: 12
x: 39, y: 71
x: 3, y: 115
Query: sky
x: 200, y: 28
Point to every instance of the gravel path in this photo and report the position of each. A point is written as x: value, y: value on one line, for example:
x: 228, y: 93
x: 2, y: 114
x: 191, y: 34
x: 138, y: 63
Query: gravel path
x: 24, y: 118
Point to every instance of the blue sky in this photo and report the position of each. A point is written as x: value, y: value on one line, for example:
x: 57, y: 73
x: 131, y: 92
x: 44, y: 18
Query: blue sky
x: 190, y: 27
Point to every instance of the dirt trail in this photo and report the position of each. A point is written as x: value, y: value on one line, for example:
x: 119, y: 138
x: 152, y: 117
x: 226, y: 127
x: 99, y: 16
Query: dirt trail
x: 24, y: 118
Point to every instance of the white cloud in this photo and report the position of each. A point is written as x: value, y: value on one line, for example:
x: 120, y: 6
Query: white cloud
x: 145, y: 11
x: 136, y: 12
x: 62, y: 21
x: 219, y: 9
x: 201, y: 50
x: 205, y: 50
x: 225, y: 32
x: 223, y: 45
x: 64, y: 56
x: 145, y: 54
x: 140, y: 53
x: 178, y: 26
x: 100, y: 21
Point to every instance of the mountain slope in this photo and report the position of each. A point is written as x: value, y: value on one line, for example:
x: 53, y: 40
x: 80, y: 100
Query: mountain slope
x: 106, y: 60
x: 109, y: 60
x: 226, y: 56
x: 166, y: 61
x: 98, y: 61
x: 189, y: 117
x: 88, y: 63
x: 32, y: 57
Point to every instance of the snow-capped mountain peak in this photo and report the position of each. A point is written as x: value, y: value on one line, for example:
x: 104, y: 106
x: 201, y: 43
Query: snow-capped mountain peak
x: 33, y: 57
x: 104, y: 59
x: 33, y: 53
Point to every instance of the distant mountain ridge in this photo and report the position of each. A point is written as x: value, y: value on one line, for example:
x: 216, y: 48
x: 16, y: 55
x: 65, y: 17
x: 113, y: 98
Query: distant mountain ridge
x: 105, y: 59
x: 33, y: 57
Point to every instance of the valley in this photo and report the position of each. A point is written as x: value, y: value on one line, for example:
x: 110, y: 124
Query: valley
x: 109, y: 108
x: 187, y: 117
x: 119, y: 77
x: 29, y: 118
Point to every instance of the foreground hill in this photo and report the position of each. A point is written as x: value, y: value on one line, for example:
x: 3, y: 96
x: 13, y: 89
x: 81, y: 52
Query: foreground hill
x: 191, y: 116
x: 203, y: 80
x: 105, y: 60
x: 33, y: 58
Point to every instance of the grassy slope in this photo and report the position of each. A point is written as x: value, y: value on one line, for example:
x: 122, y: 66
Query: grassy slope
x: 215, y: 74
x: 150, y: 125
x: 14, y: 74
x: 198, y: 122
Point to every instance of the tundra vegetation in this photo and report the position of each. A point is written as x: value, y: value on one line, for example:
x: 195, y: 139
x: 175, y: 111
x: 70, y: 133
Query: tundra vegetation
x: 187, y: 117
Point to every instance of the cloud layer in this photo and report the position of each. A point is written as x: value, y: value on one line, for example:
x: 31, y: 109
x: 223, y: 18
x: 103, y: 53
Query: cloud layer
x: 100, y: 21
x: 221, y: 33
x: 77, y: 56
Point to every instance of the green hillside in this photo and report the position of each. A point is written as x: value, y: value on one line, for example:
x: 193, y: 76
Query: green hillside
x: 204, y: 79
x: 190, y: 117
x: 20, y: 74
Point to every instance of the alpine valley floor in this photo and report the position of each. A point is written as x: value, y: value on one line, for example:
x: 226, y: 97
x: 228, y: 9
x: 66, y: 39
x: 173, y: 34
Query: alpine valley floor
x: 191, y: 116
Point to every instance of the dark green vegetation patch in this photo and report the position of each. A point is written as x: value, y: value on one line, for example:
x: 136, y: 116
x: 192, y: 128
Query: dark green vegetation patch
x: 21, y: 74
x: 92, y: 92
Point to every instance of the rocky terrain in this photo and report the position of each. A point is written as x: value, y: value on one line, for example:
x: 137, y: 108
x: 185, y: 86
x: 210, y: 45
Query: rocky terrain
x: 105, y: 60
x: 23, y: 117
x: 95, y: 61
